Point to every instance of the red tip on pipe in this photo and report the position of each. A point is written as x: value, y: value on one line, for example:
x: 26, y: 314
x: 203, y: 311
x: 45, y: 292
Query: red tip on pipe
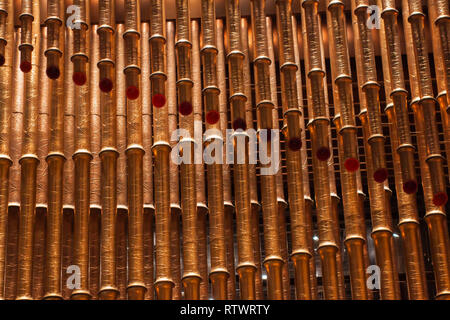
x: 158, y: 100
x: 25, y: 66
x: 212, y: 117
x: 323, y: 153
x: 410, y: 186
x: 132, y: 92
x: 185, y: 108
x: 106, y: 85
x: 2, y: 60
x: 440, y: 199
x: 351, y: 164
x: 239, y: 123
x: 380, y: 175
x: 79, y: 78
x: 295, y: 144
x: 53, y: 72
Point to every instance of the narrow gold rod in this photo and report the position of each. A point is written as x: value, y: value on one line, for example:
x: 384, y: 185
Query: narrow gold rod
x: 273, y: 260
x: 319, y: 128
x: 108, y: 153
x: 252, y: 179
x: 29, y: 160
x: 191, y: 271
x: 416, y: 18
x: 246, y: 267
x: 6, y: 73
x: 442, y: 96
x: 161, y: 148
x: 218, y: 252
x: 435, y: 216
x: 55, y: 158
x: 227, y: 201
x: 406, y: 200
x: 364, y: 50
x: 344, y: 120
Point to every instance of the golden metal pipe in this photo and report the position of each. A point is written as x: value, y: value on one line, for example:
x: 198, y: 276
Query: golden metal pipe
x: 347, y: 142
x: 364, y: 52
x: 134, y: 152
x: 246, y: 264
x: 94, y: 252
x: 121, y: 253
x: 319, y: 127
x: 28, y: 160
x: 163, y: 278
x: 227, y: 201
x: 82, y: 156
x: 218, y: 252
x: 273, y: 261
x: 440, y: 77
x: 191, y: 268
x: 26, y: 47
x: 66, y: 250
x: 435, y: 160
x: 6, y: 73
x: 55, y: 158
x: 39, y: 253
x: 108, y: 153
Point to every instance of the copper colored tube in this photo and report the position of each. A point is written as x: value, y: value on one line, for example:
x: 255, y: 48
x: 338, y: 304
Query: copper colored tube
x: 161, y: 149
x: 80, y: 57
x: 26, y: 46
x: 28, y: 160
x: 6, y: 74
x: 246, y: 265
x: 416, y: 18
x: 108, y: 153
x: 366, y: 68
x: 273, y: 261
x: 347, y: 142
x: 435, y: 217
x: 228, y: 205
x: 55, y: 158
x: 319, y: 128
x: 218, y: 252
x: 442, y: 83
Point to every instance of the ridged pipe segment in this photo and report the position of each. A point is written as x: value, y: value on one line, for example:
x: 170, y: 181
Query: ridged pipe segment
x: 416, y: 18
x: 161, y: 152
x: 292, y: 131
x: 442, y: 23
x: 108, y: 154
x: 273, y: 261
x: 442, y: 96
x: 135, y: 152
x: 80, y: 56
x: 435, y: 216
x: 183, y: 46
x: 6, y: 73
x: 219, y: 273
x: 246, y: 267
x: 364, y: 49
x: 319, y: 128
x: 28, y: 161
x: 55, y: 158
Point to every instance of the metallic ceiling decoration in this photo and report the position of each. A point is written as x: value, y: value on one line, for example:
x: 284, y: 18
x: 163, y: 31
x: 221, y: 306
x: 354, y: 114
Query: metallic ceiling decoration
x: 89, y: 186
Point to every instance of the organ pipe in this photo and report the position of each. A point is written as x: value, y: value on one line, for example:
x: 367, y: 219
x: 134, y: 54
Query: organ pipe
x: 108, y: 153
x: 427, y: 101
x: 29, y: 49
x: 273, y: 261
x: 219, y: 273
x: 246, y: 267
x: 355, y: 240
x: 6, y: 72
x: 164, y: 283
x: 435, y: 216
x: 55, y: 158
x: 319, y: 129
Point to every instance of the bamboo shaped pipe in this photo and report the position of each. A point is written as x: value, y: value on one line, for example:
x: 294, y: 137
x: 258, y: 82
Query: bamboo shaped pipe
x: 4, y: 13
x: 161, y: 149
x: 355, y: 240
x: 319, y: 128
x: 273, y: 261
x: 108, y: 153
x: 219, y: 273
